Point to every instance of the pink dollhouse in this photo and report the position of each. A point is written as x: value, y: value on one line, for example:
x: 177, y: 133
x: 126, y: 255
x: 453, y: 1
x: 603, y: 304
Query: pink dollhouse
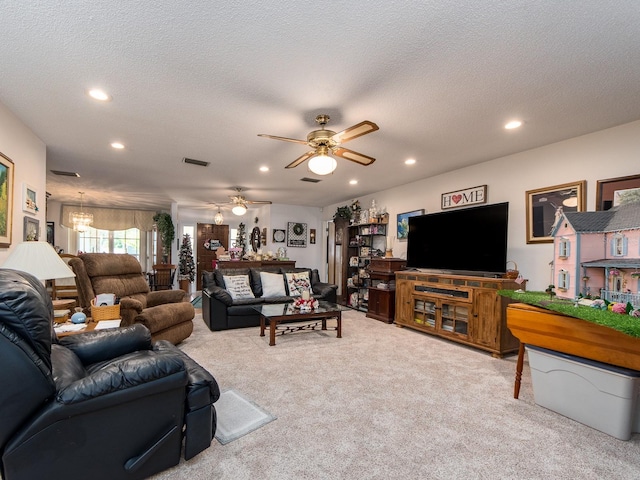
x: 598, y: 254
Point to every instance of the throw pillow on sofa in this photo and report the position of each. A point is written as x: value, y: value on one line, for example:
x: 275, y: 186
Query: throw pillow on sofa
x: 272, y: 284
x: 238, y: 286
x: 297, y: 283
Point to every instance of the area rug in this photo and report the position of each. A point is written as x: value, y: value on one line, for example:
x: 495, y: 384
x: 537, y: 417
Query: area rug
x: 237, y: 416
x: 197, y: 302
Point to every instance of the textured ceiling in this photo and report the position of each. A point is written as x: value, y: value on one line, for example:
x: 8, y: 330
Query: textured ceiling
x: 201, y: 79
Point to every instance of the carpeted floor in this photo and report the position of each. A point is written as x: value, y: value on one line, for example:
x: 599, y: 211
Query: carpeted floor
x: 390, y: 403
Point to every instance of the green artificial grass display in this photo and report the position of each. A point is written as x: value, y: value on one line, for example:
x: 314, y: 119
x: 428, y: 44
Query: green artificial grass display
x: 620, y: 322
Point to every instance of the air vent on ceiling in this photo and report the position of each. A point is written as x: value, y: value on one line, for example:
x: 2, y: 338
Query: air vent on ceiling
x: 65, y: 174
x: 310, y: 180
x: 193, y: 161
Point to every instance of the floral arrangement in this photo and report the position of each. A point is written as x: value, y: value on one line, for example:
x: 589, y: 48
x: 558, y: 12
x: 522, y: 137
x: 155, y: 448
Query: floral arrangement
x: 614, y: 272
x: 305, y: 305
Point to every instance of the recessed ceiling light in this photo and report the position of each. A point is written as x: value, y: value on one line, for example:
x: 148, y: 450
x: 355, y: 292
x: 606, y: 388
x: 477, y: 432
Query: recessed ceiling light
x: 410, y: 161
x: 353, y: 182
x: 513, y: 124
x: 98, y: 94
x: 117, y: 145
x: 264, y: 169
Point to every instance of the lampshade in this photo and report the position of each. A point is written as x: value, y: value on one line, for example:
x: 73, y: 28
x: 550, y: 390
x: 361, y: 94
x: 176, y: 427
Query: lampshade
x: 239, y: 209
x: 322, y: 164
x: 39, y: 259
x: 570, y: 202
x: 81, y: 221
x: 218, y: 218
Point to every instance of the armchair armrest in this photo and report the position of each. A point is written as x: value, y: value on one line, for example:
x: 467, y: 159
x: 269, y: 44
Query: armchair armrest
x: 220, y: 294
x: 160, y: 297
x: 101, y: 345
x: 321, y: 288
x: 125, y: 372
x: 128, y: 303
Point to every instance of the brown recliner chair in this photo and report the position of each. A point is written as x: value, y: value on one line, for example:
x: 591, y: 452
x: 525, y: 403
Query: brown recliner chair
x: 165, y: 313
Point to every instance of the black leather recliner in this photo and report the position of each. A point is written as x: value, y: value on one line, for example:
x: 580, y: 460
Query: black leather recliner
x: 106, y: 404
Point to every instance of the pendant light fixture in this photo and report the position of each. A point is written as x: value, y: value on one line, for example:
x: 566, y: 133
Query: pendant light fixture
x: 218, y: 218
x: 81, y: 221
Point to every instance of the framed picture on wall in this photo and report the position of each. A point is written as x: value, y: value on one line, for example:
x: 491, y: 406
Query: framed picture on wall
x: 29, y: 199
x: 403, y: 223
x: 616, y: 191
x: 6, y: 200
x: 296, y: 234
x: 31, y: 229
x: 51, y: 233
x: 543, y: 204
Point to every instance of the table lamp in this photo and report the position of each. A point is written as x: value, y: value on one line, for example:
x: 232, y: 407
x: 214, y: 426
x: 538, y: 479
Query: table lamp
x: 39, y: 259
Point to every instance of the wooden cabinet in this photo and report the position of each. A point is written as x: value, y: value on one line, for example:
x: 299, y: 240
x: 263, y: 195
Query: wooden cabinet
x: 382, y: 289
x: 465, y: 309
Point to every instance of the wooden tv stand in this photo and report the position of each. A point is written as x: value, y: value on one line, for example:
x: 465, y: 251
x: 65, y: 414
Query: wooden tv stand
x: 461, y: 308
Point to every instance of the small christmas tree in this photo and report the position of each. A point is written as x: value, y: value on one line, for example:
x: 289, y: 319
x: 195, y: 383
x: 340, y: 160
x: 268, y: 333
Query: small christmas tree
x: 241, y: 239
x: 187, y: 267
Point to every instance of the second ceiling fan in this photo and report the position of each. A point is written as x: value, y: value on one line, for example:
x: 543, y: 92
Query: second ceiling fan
x: 327, y: 142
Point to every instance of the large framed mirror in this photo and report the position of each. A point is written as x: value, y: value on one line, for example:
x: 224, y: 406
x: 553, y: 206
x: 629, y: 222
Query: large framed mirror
x: 255, y: 239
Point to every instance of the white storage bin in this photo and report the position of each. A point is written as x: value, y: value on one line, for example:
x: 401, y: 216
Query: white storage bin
x: 596, y: 394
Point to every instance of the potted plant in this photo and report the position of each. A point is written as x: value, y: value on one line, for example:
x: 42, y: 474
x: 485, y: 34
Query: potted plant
x: 343, y: 213
x: 166, y: 230
x: 186, y: 265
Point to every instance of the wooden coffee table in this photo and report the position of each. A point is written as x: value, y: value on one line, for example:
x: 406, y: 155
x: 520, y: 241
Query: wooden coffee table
x: 277, y: 313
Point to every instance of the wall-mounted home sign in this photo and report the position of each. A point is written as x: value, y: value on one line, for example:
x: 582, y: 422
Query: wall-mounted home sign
x: 462, y: 198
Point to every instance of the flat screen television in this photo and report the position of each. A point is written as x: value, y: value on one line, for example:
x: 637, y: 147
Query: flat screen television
x: 470, y: 240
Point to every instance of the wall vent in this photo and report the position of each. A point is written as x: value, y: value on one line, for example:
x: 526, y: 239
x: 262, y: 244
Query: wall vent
x: 65, y: 174
x: 193, y: 161
x: 310, y: 180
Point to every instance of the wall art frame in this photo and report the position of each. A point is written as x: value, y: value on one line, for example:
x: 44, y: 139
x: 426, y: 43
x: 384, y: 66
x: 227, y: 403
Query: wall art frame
x: 542, y: 206
x: 612, y: 191
x: 464, y: 198
x: 29, y: 199
x: 6, y: 200
x: 31, y: 230
x: 403, y: 223
x: 279, y: 235
x: 296, y: 234
x: 51, y: 233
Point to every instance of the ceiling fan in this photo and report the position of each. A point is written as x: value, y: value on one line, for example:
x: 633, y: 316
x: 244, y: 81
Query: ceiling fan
x: 327, y: 142
x: 240, y: 203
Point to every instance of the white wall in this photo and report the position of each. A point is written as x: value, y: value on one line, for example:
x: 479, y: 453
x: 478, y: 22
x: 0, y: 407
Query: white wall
x: 610, y: 153
x: 271, y: 217
x: 29, y: 155
x: 313, y: 255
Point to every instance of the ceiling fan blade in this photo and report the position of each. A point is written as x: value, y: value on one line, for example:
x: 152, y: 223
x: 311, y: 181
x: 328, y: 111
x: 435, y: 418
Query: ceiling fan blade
x: 284, y: 139
x: 353, y: 156
x: 356, y: 131
x: 301, y: 159
x: 258, y: 202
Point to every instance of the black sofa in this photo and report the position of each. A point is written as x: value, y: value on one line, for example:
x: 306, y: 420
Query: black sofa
x: 105, y: 404
x: 221, y: 312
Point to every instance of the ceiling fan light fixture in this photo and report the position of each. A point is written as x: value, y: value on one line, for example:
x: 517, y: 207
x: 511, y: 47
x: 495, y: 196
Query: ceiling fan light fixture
x: 322, y: 164
x: 239, y: 210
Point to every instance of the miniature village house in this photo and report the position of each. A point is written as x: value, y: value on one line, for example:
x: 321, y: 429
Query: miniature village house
x: 598, y: 254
